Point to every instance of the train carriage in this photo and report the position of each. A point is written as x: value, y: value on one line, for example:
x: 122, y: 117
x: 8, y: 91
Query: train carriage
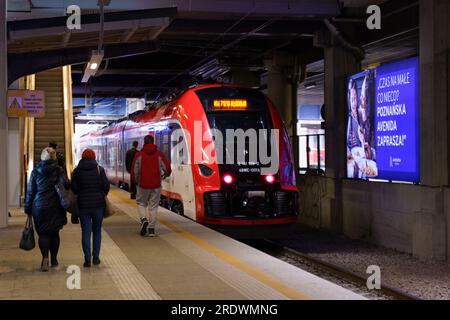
x: 208, y: 183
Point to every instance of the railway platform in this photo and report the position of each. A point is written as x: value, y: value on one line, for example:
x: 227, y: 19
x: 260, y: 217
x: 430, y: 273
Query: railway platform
x: 186, y: 261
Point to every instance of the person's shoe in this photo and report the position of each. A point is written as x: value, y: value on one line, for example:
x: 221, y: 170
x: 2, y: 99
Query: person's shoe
x: 144, y: 225
x: 87, y: 264
x: 133, y: 196
x: 44, y: 265
x: 96, y: 261
x: 151, y: 232
x: 55, y: 263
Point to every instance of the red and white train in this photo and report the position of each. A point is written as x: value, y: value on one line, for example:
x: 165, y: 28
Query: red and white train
x: 208, y: 192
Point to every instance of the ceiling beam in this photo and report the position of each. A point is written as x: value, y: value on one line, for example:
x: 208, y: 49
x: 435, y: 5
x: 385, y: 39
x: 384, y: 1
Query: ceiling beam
x: 129, y: 33
x: 21, y: 64
x: 149, y: 72
x: 267, y: 8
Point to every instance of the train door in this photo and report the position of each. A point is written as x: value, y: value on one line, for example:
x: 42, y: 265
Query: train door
x: 181, y: 180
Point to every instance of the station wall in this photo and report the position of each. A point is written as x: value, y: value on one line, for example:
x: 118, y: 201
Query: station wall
x: 409, y: 218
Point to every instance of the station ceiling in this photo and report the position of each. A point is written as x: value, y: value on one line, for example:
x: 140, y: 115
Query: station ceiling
x: 184, y: 35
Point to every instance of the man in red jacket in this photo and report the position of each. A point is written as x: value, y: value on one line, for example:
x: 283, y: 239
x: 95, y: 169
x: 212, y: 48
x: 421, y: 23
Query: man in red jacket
x: 149, y: 167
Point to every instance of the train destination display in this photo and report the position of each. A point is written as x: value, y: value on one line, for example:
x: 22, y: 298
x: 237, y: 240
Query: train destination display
x: 383, y: 123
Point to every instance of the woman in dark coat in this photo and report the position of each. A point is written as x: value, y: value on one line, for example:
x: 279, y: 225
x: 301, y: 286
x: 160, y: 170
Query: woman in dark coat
x: 43, y: 204
x: 90, y: 183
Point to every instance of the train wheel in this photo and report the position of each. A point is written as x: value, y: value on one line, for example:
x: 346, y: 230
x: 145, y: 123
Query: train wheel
x: 177, y: 207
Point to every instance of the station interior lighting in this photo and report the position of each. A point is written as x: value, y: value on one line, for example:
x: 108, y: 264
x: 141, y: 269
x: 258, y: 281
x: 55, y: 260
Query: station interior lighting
x: 93, y: 64
x: 310, y: 85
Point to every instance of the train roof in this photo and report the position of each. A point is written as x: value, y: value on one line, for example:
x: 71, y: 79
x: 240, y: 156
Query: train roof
x: 170, y: 97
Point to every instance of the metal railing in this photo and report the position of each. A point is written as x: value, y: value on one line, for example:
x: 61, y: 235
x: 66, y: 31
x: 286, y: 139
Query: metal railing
x: 311, y: 152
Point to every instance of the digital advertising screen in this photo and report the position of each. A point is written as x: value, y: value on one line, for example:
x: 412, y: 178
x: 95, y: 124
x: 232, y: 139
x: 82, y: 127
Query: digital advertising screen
x: 383, y: 123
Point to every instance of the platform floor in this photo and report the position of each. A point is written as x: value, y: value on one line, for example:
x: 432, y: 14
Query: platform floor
x: 186, y: 261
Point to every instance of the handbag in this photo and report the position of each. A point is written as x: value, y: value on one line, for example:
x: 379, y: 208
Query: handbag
x: 27, y: 242
x: 109, y: 209
x: 67, y: 198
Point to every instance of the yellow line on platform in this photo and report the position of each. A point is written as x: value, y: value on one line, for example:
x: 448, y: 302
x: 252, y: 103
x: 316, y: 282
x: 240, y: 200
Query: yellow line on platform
x: 226, y: 257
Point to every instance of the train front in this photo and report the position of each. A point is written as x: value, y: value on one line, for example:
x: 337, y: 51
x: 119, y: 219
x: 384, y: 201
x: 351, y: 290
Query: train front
x: 248, y: 178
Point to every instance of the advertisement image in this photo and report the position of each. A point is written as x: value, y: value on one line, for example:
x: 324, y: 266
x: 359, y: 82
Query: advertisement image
x: 361, y: 149
x: 383, y: 123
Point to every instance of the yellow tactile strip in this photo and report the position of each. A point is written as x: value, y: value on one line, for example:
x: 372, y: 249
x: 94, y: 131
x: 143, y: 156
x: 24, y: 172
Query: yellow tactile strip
x: 20, y: 277
x: 130, y: 282
x: 265, y: 287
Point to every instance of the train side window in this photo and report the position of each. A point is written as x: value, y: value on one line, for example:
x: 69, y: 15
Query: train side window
x: 112, y: 155
x: 178, y: 148
x: 120, y: 155
x: 165, y: 143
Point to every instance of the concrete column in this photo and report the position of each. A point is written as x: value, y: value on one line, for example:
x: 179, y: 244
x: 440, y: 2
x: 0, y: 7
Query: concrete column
x: 431, y: 224
x: 13, y: 152
x: 339, y: 64
x: 3, y: 119
x: 282, y: 87
x: 434, y: 83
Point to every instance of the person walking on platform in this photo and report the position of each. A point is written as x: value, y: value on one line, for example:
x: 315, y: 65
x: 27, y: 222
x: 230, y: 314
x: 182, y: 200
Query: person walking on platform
x: 90, y: 183
x: 149, y: 167
x: 43, y: 204
x: 128, y: 163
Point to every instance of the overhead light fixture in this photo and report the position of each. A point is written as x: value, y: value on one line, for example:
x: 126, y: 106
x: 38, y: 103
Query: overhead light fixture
x: 310, y: 85
x: 93, y: 64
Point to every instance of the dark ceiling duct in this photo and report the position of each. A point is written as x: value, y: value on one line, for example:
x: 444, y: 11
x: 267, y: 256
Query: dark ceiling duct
x: 22, y: 64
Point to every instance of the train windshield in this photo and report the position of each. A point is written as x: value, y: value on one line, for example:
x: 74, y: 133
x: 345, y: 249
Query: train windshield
x: 242, y: 111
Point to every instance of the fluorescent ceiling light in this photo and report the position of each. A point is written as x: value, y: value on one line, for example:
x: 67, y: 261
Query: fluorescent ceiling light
x: 310, y: 85
x: 92, y: 66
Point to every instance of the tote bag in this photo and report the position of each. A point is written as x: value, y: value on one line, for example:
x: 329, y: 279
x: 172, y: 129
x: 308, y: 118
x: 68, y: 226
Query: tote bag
x: 27, y: 242
x: 109, y: 209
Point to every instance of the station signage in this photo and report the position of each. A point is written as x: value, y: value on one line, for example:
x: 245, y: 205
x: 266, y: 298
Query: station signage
x: 26, y: 103
x: 383, y: 123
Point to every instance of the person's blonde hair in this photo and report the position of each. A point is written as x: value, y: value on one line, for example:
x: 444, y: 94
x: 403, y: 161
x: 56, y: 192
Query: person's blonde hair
x: 48, y: 154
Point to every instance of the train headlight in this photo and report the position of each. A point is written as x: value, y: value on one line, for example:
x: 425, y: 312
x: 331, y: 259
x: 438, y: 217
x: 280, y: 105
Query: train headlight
x: 228, y: 178
x: 270, y: 179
